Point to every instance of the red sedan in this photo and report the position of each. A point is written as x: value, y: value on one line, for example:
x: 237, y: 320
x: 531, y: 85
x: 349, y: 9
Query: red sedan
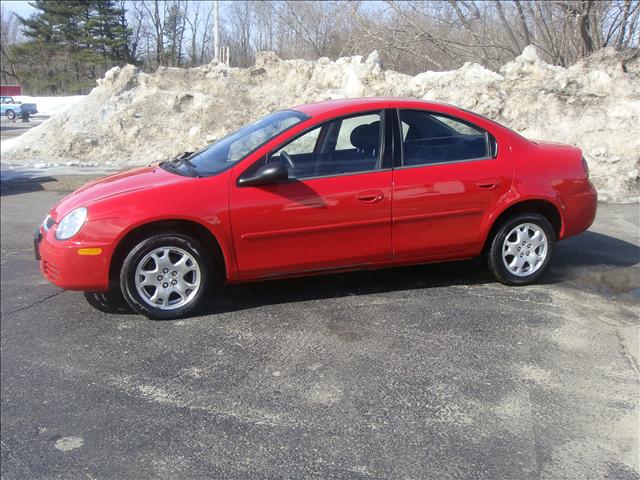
x: 326, y: 187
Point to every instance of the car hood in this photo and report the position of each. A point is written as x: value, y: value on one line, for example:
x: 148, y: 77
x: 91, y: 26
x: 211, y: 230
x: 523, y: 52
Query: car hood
x: 116, y: 185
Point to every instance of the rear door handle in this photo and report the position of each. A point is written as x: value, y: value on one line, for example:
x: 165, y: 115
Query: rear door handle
x: 488, y: 183
x: 373, y: 196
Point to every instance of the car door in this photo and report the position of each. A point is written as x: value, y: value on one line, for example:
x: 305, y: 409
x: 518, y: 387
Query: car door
x: 452, y: 176
x: 334, y: 212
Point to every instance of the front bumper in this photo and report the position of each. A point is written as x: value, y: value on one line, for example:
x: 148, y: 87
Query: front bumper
x: 61, y: 264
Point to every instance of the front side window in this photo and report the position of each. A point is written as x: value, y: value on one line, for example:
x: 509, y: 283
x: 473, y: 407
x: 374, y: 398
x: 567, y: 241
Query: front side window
x: 430, y: 138
x: 234, y: 147
x: 341, y: 146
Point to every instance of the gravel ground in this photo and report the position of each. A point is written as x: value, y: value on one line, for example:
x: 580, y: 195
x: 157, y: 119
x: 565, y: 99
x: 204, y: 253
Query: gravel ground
x: 424, y: 372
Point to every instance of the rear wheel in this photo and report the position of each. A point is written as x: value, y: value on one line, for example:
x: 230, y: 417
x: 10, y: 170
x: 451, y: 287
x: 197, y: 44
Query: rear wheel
x: 11, y: 115
x: 165, y: 276
x: 521, y: 249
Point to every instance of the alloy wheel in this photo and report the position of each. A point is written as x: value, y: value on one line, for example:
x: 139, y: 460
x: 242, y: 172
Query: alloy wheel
x: 168, y: 278
x: 524, y: 249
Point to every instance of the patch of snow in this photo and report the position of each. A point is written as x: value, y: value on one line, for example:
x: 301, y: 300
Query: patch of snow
x: 8, y: 144
x: 51, y: 106
x: 66, y: 444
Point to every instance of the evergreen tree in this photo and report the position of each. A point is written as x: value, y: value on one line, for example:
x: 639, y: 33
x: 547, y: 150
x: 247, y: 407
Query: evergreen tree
x: 71, y: 43
x: 109, y: 30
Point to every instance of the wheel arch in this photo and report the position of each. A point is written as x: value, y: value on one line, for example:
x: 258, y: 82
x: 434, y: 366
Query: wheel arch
x: 544, y: 207
x: 188, y: 227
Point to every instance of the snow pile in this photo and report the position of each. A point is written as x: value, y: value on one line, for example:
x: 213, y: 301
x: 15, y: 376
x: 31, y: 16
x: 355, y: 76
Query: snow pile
x: 50, y: 106
x: 134, y: 118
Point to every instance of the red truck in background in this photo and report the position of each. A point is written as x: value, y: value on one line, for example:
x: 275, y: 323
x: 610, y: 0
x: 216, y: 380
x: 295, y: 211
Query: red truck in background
x: 10, y: 90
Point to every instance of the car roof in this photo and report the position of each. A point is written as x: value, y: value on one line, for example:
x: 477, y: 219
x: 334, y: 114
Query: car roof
x: 360, y: 104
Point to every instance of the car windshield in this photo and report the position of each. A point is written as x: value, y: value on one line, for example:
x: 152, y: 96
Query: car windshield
x: 234, y: 147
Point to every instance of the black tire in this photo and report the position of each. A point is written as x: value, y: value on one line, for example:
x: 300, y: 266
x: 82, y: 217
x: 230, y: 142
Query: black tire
x: 11, y: 115
x: 494, y: 253
x: 137, y: 254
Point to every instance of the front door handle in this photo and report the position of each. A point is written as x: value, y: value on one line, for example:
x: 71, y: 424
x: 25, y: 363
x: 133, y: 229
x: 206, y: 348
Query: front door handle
x: 488, y: 183
x: 373, y: 196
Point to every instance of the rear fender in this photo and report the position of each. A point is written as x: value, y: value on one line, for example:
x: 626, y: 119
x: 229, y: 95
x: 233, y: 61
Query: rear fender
x: 514, y: 199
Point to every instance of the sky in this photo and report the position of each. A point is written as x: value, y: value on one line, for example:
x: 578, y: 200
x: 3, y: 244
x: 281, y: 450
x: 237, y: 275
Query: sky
x: 22, y: 8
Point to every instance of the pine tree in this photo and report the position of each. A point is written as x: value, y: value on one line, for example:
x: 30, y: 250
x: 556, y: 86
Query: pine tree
x: 109, y: 30
x: 71, y: 43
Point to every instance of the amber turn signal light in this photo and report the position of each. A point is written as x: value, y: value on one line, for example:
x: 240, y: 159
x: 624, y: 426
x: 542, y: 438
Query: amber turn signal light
x: 89, y: 251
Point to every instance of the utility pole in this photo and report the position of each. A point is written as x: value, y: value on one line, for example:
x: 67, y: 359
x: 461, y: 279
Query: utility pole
x: 216, y: 30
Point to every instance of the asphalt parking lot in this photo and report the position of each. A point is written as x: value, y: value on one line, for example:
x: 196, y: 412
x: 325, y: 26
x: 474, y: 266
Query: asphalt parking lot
x: 424, y: 372
x: 14, y: 128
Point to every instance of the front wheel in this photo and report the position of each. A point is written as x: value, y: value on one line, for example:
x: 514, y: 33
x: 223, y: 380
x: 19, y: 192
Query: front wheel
x: 521, y: 249
x: 165, y: 276
x: 11, y: 115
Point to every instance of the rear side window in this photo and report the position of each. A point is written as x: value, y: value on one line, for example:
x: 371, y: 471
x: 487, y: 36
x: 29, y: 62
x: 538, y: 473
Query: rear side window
x: 430, y: 138
x: 341, y: 146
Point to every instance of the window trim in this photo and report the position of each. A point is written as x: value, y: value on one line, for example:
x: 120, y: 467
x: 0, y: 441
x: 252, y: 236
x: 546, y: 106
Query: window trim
x: 489, y: 139
x: 390, y: 154
x: 379, y: 112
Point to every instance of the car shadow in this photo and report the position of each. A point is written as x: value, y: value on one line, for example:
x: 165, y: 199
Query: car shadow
x: 589, y: 252
x: 108, y: 302
x: 251, y: 295
x: 17, y: 181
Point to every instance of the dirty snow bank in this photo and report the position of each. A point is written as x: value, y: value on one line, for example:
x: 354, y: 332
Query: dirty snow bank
x: 134, y: 118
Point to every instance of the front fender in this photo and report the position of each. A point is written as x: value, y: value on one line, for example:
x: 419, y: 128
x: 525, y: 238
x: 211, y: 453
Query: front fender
x: 204, y: 202
x: 217, y: 227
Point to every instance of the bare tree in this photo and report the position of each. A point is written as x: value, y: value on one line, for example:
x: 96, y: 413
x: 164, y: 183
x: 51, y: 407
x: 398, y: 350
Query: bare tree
x: 9, y: 36
x: 445, y: 35
x: 194, y: 18
x: 155, y: 15
x: 411, y: 35
x: 238, y: 30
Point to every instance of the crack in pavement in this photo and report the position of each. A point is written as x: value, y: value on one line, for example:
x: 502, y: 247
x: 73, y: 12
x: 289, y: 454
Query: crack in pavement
x: 15, y: 252
x: 33, y: 304
x: 628, y: 356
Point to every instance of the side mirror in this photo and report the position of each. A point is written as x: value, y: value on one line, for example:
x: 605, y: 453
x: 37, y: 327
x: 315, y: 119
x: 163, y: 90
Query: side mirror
x: 266, y: 175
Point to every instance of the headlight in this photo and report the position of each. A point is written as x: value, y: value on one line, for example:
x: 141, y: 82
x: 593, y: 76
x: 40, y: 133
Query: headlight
x: 71, y: 223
